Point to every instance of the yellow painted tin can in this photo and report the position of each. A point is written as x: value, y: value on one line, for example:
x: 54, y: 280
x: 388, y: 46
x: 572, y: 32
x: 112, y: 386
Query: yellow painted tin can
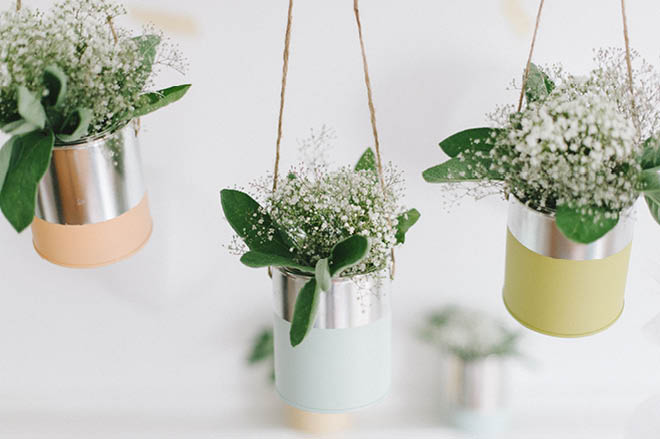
x: 558, y: 287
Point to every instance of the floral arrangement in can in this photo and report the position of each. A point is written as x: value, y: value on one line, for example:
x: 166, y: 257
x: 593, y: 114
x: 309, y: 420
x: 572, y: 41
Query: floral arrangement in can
x: 69, y: 74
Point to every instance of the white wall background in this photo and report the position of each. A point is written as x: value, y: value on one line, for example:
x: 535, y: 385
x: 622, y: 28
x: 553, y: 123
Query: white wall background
x: 155, y: 346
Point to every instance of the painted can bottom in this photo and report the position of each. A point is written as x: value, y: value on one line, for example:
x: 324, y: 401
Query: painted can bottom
x: 317, y: 423
x: 334, y: 370
x: 489, y: 424
x: 564, y: 298
x: 94, y: 245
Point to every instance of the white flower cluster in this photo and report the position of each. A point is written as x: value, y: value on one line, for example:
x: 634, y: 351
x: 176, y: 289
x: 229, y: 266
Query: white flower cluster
x: 318, y: 208
x: 103, y: 75
x: 469, y: 334
x: 573, y: 147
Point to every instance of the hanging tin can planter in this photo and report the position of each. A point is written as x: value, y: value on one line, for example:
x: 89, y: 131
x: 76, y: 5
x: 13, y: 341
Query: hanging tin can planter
x: 477, y: 393
x: 559, y: 287
x: 344, y: 362
x: 92, y: 206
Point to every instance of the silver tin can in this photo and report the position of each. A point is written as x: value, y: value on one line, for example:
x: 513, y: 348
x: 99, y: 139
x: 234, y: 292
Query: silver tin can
x: 350, y: 303
x: 539, y: 232
x: 344, y: 362
x: 478, y: 386
x: 93, y: 180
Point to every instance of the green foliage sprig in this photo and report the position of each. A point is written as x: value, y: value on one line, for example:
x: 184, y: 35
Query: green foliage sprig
x: 64, y: 78
x: 469, y: 334
x: 263, y: 350
x: 270, y: 244
x: 573, y: 151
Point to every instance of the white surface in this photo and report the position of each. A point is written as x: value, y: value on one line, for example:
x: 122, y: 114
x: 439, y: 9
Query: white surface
x: 155, y: 346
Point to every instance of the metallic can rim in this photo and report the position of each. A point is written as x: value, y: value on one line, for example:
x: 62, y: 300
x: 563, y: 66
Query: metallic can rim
x: 538, y: 232
x: 350, y: 303
x: 88, y: 141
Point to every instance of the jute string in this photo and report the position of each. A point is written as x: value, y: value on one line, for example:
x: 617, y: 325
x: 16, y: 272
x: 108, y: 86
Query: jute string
x: 372, y: 110
x: 628, y: 59
x: 18, y: 5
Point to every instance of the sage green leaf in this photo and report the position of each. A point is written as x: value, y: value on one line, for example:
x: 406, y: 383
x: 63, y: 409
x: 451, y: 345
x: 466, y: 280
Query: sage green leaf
x: 404, y: 222
x: 367, y: 161
x: 75, y: 125
x: 147, y: 46
x: 254, y: 225
x: 19, y: 127
x: 30, y: 108
x: 255, y: 259
x: 549, y: 83
x: 650, y: 154
x: 322, y: 274
x: 650, y: 180
x: 29, y: 161
x: 304, y: 312
x: 347, y: 253
x: 654, y: 206
x: 55, y: 81
x: 5, y: 158
x: 473, y: 139
x: 584, y: 225
x: 150, y: 102
x: 535, y: 87
x: 262, y: 348
x: 462, y: 169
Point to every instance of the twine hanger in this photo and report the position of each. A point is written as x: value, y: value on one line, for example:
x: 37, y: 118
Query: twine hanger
x: 372, y: 109
x: 628, y: 62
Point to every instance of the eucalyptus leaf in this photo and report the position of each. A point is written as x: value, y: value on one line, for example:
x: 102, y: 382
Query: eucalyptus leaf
x: 650, y: 179
x: 263, y: 347
x: 19, y: 127
x: 30, y: 108
x: 367, y: 161
x: 322, y: 274
x: 347, y: 253
x: 150, y: 102
x: 254, y: 225
x: 75, y: 125
x: 30, y: 159
x: 535, y: 87
x: 5, y: 158
x: 404, y: 222
x: 255, y: 259
x: 473, y: 139
x: 650, y: 154
x: 653, y: 203
x: 584, y: 225
x: 465, y: 168
x: 304, y: 312
x: 147, y: 46
x: 55, y: 81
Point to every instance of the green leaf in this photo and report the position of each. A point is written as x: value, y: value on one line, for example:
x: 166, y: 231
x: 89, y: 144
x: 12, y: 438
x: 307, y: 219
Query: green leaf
x: 254, y: 225
x: 5, y: 158
x: 473, y: 139
x: 150, y: 102
x: 29, y: 161
x: 465, y: 168
x: 322, y: 275
x: 651, y: 153
x: 650, y: 180
x: 347, y: 253
x: 404, y: 222
x: 55, y: 81
x: 654, y: 207
x: 367, y: 161
x: 30, y: 108
x: 535, y: 87
x: 19, y: 127
x: 304, y: 312
x: 584, y: 225
x: 75, y: 125
x: 263, y: 347
x: 549, y: 83
x: 147, y: 46
x: 255, y: 259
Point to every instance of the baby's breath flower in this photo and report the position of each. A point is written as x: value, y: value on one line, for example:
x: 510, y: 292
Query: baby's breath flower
x: 102, y: 75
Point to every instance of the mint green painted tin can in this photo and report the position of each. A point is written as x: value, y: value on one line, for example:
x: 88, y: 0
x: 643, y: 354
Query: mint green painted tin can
x: 344, y: 363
